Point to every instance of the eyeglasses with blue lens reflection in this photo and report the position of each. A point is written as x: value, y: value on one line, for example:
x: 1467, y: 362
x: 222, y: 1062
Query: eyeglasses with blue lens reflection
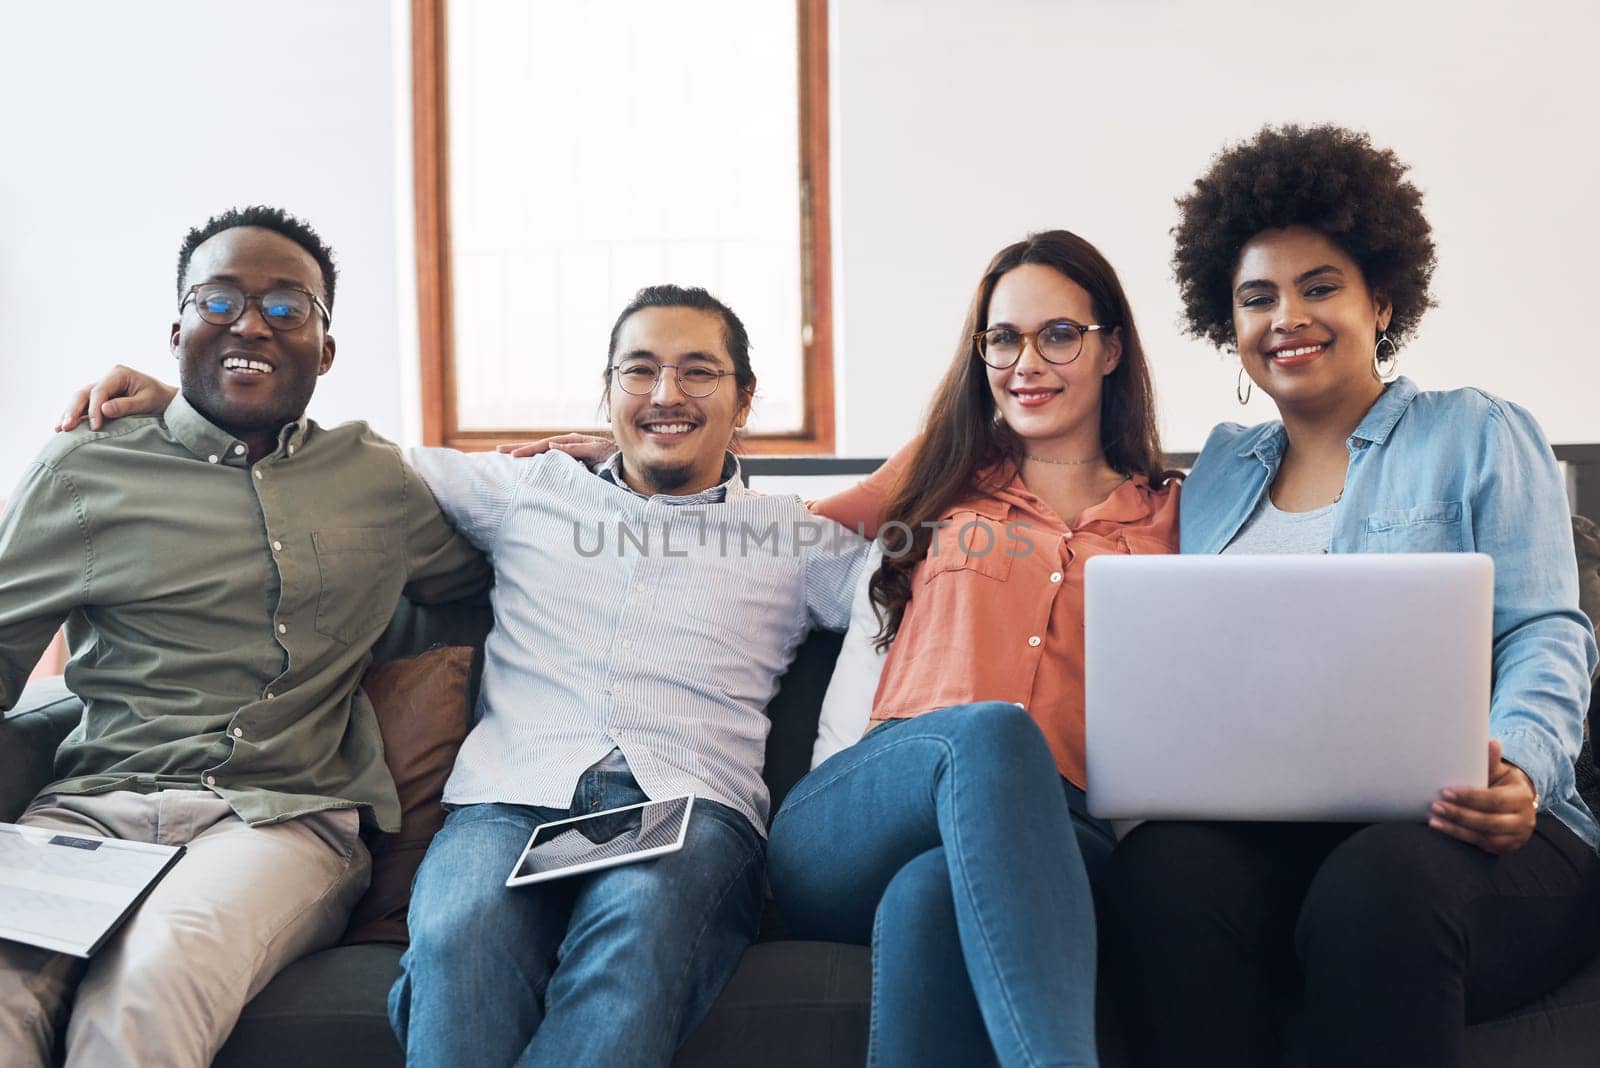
x: 282, y: 308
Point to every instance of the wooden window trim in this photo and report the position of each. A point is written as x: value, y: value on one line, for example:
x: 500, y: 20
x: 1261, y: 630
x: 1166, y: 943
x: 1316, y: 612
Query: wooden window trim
x: 430, y: 139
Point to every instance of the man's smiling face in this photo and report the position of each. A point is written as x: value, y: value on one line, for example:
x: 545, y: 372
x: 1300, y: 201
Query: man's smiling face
x: 671, y: 442
x: 247, y: 377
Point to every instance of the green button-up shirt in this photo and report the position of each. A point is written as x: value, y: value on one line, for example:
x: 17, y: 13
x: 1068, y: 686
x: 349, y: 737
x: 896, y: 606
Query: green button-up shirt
x: 220, y: 613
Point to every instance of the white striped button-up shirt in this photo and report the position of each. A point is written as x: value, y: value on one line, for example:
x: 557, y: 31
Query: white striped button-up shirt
x: 659, y: 626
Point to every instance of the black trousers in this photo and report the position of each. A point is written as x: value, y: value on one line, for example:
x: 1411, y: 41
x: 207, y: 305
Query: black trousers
x: 1392, y: 936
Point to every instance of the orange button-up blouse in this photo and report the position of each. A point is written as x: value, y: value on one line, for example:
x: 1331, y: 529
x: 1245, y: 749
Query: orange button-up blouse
x: 996, y: 613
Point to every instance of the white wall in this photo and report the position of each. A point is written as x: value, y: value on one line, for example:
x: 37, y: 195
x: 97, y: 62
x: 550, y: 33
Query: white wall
x: 959, y: 127
x: 1106, y: 109
x: 124, y: 124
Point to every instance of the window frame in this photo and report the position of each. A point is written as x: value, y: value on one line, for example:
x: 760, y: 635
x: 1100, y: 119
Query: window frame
x: 435, y: 309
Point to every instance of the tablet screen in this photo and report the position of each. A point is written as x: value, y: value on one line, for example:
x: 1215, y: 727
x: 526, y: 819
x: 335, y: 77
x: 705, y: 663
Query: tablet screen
x: 604, y: 838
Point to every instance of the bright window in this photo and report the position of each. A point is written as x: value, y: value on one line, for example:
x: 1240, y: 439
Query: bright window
x: 584, y: 150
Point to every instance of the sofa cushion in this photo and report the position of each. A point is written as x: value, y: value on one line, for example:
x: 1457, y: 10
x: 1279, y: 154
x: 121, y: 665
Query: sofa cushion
x: 421, y: 705
x: 847, y: 706
x: 328, y: 1009
x: 416, y: 627
x: 789, y: 1004
x: 1560, y: 1030
x: 794, y: 713
x: 30, y: 733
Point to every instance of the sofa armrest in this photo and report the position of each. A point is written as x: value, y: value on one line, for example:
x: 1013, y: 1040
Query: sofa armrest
x: 29, y: 735
x: 1586, y: 543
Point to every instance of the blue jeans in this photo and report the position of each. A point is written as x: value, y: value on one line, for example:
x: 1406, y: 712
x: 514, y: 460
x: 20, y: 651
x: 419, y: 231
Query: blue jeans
x: 613, y: 967
x: 947, y: 842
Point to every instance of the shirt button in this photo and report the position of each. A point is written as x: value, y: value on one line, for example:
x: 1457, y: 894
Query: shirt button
x: 627, y: 645
x: 271, y: 695
x: 1066, y: 535
x: 277, y: 547
x: 237, y: 733
x: 211, y: 780
x: 1055, y: 576
x: 1033, y: 642
x: 258, y: 472
x: 283, y: 628
x: 638, y: 588
x: 291, y: 450
x: 238, y: 450
x: 213, y: 458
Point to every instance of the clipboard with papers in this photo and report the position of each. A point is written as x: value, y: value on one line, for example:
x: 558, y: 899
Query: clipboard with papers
x: 68, y: 891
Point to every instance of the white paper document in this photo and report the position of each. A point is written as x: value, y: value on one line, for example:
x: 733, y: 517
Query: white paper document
x: 68, y: 891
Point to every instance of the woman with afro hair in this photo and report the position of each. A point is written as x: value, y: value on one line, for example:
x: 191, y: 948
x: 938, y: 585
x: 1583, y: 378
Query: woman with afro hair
x: 1306, y: 251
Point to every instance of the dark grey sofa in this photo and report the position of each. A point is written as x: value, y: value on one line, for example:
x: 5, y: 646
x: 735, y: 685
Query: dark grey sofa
x: 791, y: 1003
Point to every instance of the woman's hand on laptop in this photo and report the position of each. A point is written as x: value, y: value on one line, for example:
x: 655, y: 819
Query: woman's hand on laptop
x: 123, y: 391
x: 589, y: 448
x: 1497, y: 819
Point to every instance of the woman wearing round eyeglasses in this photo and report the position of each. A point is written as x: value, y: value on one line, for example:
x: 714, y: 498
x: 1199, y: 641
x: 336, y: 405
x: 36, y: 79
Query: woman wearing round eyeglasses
x: 1307, y: 251
x: 954, y: 836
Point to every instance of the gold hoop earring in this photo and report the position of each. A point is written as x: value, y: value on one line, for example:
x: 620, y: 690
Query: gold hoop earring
x: 1243, y: 387
x: 1385, y: 365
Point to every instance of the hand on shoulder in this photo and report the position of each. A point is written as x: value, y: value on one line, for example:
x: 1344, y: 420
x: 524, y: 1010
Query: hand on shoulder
x: 121, y: 392
x: 588, y: 448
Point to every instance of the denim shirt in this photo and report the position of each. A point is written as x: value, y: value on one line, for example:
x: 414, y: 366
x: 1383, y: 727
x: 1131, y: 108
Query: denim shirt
x: 1456, y: 471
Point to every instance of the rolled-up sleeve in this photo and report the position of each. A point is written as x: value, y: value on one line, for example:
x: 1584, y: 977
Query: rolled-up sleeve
x: 1544, y: 647
x: 832, y: 571
x: 441, y: 565
x: 475, y: 490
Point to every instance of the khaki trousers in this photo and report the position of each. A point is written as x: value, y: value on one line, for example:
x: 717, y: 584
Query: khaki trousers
x: 168, y: 987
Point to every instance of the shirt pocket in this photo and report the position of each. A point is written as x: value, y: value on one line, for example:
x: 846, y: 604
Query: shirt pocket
x: 355, y: 566
x: 975, y: 542
x: 1434, y: 527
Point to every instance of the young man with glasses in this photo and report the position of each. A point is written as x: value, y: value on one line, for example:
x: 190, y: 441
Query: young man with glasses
x: 612, y: 676
x: 638, y: 670
x: 222, y: 570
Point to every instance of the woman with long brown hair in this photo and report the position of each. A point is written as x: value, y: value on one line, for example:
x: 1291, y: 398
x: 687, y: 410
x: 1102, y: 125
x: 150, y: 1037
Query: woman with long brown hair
x: 954, y: 835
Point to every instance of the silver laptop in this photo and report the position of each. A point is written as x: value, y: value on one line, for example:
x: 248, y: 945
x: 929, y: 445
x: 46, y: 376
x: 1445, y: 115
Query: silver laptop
x: 1330, y: 687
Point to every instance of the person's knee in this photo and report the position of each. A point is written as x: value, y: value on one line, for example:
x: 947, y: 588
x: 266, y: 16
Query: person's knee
x: 450, y: 923
x: 642, y: 900
x: 1379, y: 875
x: 437, y: 934
x: 918, y: 901
x: 659, y: 917
x: 997, y: 731
x: 632, y: 894
x: 1377, y: 889
x: 459, y: 889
